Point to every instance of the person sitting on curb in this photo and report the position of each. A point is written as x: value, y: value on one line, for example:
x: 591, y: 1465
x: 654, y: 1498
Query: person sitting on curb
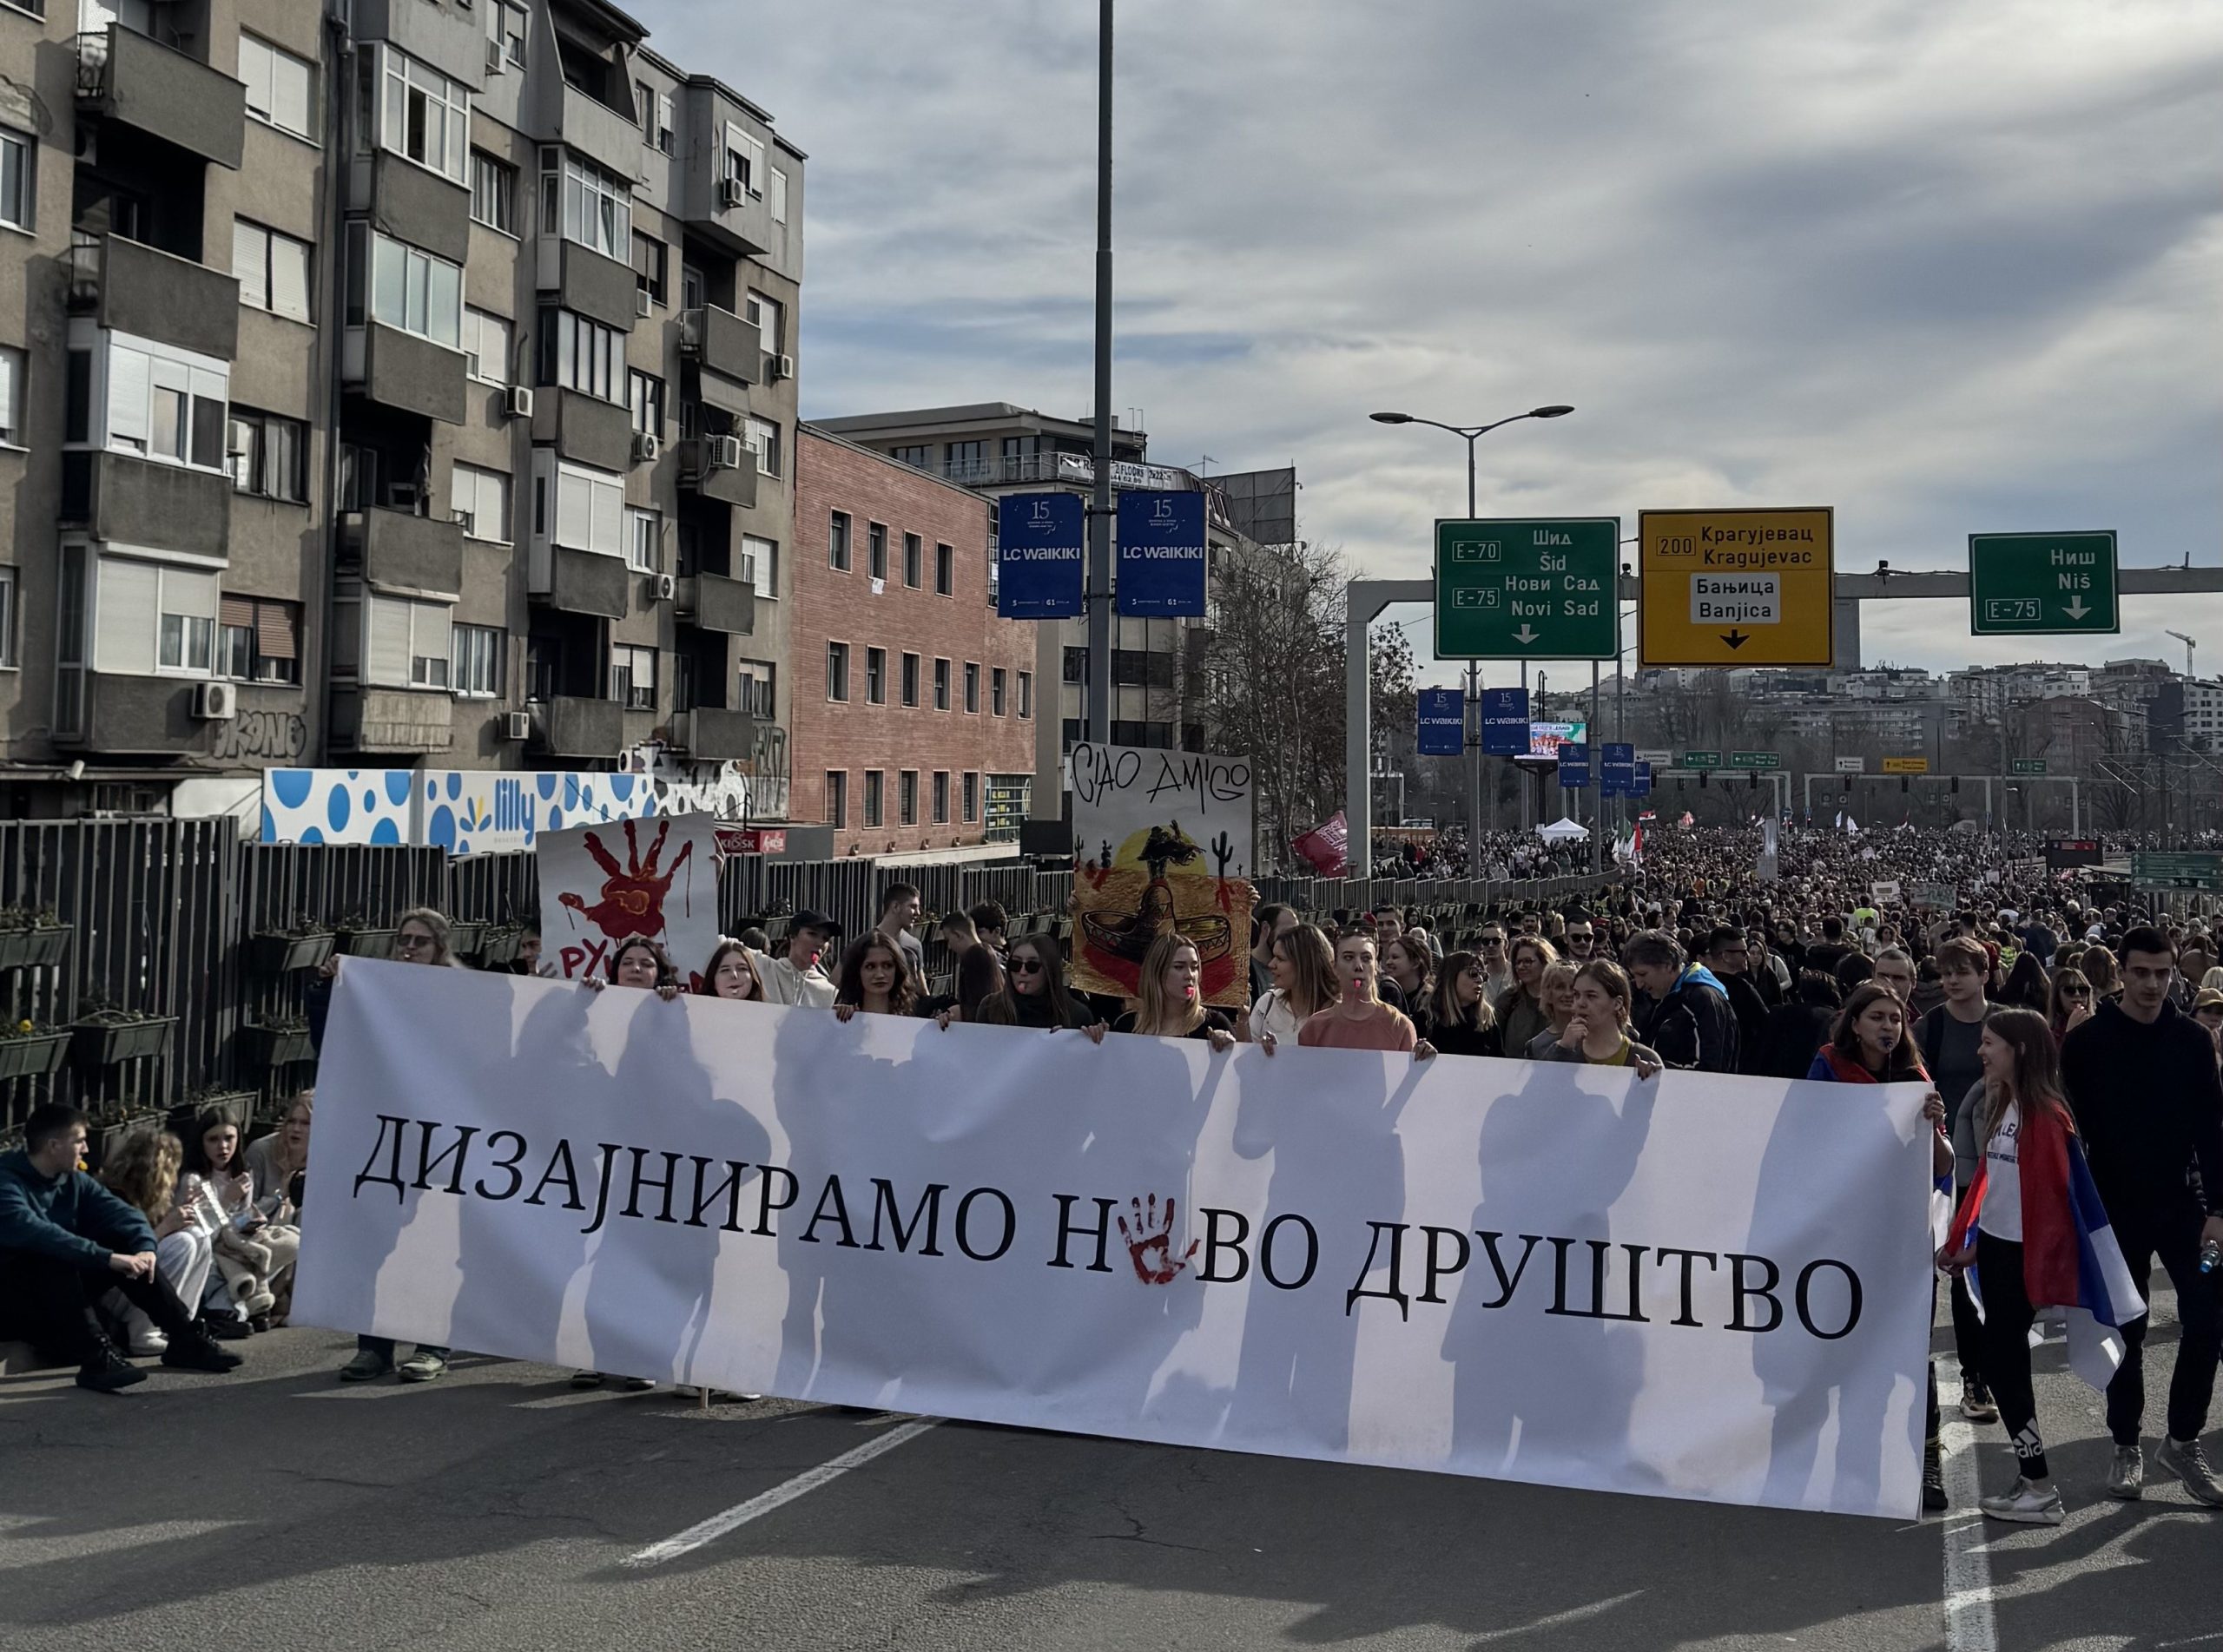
x: 65, y: 1240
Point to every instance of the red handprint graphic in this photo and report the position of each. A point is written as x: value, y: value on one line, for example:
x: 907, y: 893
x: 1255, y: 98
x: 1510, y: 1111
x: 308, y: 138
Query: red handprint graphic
x: 1150, y: 1245
x: 632, y: 895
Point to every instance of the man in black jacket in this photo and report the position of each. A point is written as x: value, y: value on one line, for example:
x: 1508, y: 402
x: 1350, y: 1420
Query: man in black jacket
x: 2141, y: 1076
x: 1688, y: 1021
x: 1728, y: 954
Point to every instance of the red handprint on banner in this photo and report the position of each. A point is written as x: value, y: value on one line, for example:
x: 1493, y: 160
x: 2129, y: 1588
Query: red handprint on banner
x: 1149, y: 1243
x: 632, y: 895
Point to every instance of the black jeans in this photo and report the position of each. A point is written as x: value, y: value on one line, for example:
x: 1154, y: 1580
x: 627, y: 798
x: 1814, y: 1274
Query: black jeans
x: 2007, y: 1318
x: 50, y: 1303
x: 1968, y: 1325
x: 2174, y: 1237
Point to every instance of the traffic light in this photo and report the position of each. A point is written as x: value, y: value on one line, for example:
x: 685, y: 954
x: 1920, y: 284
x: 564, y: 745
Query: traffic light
x: 1848, y: 783
x: 1705, y: 776
x: 1751, y: 782
x: 1905, y: 785
x: 1957, y: 785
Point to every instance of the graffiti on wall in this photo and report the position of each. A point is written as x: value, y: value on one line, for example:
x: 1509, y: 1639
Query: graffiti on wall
x: 262, y: 737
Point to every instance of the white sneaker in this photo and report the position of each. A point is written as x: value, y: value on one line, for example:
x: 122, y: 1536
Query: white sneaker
x: 145, y: 1344
x: 2027, y: 1505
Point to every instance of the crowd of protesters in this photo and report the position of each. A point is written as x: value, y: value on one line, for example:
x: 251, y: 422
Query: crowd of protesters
x: 2032, y: 1007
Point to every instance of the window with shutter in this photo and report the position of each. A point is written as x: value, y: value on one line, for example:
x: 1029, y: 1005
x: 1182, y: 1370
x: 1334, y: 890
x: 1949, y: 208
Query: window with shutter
x: 250, y: 262
x: 289, y: 278
x: 129, y: 602
x: 386, y: 642
x: 779, y: 196
x: 11, y: 377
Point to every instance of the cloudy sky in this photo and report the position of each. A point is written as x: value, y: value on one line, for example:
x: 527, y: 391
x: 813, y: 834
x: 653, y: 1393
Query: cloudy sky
x: 1948, y: 268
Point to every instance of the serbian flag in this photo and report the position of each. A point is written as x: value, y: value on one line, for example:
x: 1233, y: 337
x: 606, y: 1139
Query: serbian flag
x: 2071, y: 1265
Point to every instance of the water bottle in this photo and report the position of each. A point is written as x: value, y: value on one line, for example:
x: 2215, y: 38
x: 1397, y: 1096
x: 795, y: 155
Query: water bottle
x: 2211, y: 1253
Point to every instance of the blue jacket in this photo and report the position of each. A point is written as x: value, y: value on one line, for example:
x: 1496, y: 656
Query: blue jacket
x: 70, y: 1217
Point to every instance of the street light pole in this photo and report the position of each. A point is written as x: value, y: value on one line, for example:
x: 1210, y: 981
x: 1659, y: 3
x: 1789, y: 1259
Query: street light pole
x: 1100, y: 514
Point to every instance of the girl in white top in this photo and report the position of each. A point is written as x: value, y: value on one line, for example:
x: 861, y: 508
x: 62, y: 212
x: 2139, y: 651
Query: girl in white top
x: 1303, y: 966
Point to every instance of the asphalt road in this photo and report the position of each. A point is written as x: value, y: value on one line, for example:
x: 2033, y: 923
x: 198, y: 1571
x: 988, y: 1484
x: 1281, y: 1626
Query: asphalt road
x: 497, y: 1509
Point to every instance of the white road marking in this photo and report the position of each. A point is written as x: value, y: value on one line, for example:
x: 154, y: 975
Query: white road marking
x: 1575, y: 1614
x: 808, y: 1481
x: 1969, y: 1624
x: 32, y: 1549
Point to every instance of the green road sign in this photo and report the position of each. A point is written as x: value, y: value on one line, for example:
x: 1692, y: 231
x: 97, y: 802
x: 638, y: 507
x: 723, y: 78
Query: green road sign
x: 1755, y: 760
x: 2028, y: 766
x: 2177, y: 870
x: 2028, y: 584
x: 1701, y: 760
x: 1527, y: 589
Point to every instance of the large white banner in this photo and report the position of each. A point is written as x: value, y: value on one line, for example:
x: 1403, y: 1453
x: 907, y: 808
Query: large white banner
x: 1691, y: 1286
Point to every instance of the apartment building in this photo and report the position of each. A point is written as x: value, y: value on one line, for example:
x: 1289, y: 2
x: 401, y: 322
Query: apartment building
x: 921, y: 734
x: 390, y: 384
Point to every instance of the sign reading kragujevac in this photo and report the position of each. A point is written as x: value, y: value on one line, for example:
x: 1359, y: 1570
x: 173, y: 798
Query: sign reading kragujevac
x: 1682, y: 1287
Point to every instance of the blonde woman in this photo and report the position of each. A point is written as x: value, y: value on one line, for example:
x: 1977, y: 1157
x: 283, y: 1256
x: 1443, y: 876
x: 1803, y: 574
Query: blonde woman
x: 1304, y: 983
x: 143, y: 1173
x: 1521, y: 1012
x: 1172, y: 1004
x: 1558, y: 994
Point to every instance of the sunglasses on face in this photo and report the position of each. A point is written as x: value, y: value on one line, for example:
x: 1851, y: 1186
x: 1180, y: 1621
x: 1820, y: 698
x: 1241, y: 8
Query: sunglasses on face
x: 2076, y: 992
x: 1026, y: 966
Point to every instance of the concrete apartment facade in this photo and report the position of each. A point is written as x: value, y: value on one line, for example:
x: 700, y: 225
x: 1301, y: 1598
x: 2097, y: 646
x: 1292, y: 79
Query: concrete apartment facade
x: 400, y: 383
x: 918, y: 732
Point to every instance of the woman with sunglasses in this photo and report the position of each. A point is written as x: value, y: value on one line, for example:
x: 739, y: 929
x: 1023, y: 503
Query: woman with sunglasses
x: 1460, y: 1020
x: 2071, y: 1005
x: 1035, y: 994
x: 730, y: 974
x: 876, y: 978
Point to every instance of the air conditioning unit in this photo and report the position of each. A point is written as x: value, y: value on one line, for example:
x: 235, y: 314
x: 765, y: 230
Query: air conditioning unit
x: 466, y: 521
x: 722, y: 452
x: 782, y: 367
x: 645, y: 447
x: 667, y: 587
x: 517, y: 725
x: 642, y: 303
x: 732, y: 192
x: 691, y: 331
x: 495, y: 64
x: 215, y: 702
x: 517, y: 401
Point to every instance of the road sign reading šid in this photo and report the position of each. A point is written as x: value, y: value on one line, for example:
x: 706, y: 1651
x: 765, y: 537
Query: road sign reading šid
x: 1736, y: 587
x: 1526, y: 589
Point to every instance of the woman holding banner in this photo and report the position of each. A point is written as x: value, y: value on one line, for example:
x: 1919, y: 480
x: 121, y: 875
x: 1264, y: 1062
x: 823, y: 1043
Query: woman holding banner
x: 1035, y: 994
x: 1171, y: 997
x: 1597, y: 1031
x: 1460, y: 1020
x: 876, y: 977
x: 1521, y: 1011
x: 1557, y: 993
x: 731, y: 974
x: 1358, y: 1019
x: 1304, y: 983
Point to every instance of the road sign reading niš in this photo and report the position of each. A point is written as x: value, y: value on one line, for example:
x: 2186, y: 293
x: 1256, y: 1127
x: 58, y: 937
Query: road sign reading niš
x: 1574, y: 766
x: 1616, y: 769
x: 1735, y: 588
x: 1505, y: 721
x: 1443, y: 722
x: 1852, y: 766
x: 2177, y: 870
x: 1755, y: 759
x: 1701, y: 760
x: 1162, y: 553
x: 1906, y: 766
x: 1540, y: 589
x: 1040, y: 542
x: 2027, y: 584
x: 2028, y: 766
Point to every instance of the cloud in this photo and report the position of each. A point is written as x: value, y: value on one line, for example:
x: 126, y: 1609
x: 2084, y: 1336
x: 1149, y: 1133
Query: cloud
x: 1949, y: 269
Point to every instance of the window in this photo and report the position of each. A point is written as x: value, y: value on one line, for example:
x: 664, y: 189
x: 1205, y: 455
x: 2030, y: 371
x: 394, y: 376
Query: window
x: 944, y: 571
x: 876, y: 676
x: 644, y: 395
x: 7, y: 619
x: 165, y: 403
x: 1076, y: 665
x: 18, y: 179
x: 1027, y: 694
x: 759, y: 689
x: 258, y: 641
x: 481, y: 500
x: 404, y: 644
x: 941, y: 797
x: 152, y: 617
x: 971, y: 687
x: 837, y: 671
x: 744, y: 159
x: 837, y: 797
x: 506, y: 22
x: 779, y: 196
x: 972, y: 797
x: 633, y: 677
x: 281, y: 88
x: 597, y: 208
x: 766, y: 313
x: 873, y: 780
x: 919, y: 455
x: 659, y: 130
x: 426, y: 116
x: 579, y: 355
x: 486, y: 346
x: 493, y: 192
x: 837, y: 541
x: 876, y: 548
x: 589, y: 505
x: 651, y: 266
x: 693, y: 287
x: 907, y: 798
x: 273, y: 270
x: 764, y: 437
x: 915, y: 559
x: 760, y: 564
x: 996, y: 690
x: 643, y: 540
x: 409, y: 289
x: 967, y: 460
x: 268, y: 456
x: 11, y: 396
x: 910, y: 678
x: 941, y: 685
x: 477, y: 651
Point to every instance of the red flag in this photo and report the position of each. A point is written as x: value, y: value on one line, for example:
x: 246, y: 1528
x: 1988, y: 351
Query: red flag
x: 1326, y: 848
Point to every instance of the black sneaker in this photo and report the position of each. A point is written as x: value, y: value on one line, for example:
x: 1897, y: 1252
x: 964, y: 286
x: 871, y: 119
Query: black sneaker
x: 108, y: 1370
x: 223, y: 1327
x: 1934, y: 1500
x: 194, y: 1351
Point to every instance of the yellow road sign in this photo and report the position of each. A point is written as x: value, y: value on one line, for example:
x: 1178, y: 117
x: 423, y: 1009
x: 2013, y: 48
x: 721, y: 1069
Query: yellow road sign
x: 1906, y: 766
x: 1735, y: 587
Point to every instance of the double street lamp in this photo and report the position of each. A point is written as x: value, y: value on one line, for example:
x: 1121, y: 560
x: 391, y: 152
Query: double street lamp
x: 1473, y: 433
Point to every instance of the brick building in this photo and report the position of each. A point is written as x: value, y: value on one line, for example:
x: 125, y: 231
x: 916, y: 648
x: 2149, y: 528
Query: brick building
x: 914, y: 727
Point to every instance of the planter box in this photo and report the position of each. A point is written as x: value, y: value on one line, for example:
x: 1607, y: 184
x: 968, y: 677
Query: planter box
x: 367, y: 943
x: 278, y: 954
x: 498, y: 945
x: 237, y: 1105
x: 104, y: 1044
x: 463, y: 938
x: 108, y: 1135
x: 33, y: 949
x: 34, y: 1058
x: 274, y: 1046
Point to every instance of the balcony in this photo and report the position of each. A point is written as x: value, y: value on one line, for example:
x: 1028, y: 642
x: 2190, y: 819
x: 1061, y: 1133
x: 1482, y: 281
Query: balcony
x: 150, y: 293
x: 452, y: 38
x: 719, y: 467
x: 124, y: 76
x: 573, y: 726
x: 140, y: 717
x: 585, y: 581
x: 584, y: 428
x: 611, y: 141
x: 723, y: 344
x: 709, y: 734
x: 401, y: 720
x: 717, y: 603
x: 415, y: 204
x: 399, y: 369
x: 581, y: 279
x: 133, y: 501
x: 400, y: 550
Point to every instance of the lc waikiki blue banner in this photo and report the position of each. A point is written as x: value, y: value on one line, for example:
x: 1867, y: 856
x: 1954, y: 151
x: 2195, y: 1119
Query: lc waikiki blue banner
x: 1443, y: 722
x: 1642, y: 787
x: 1162, y: 553
x: 1040, y: 540
x: 1574, y: 766
x: 1505, y: 721
x: 1616, y: 769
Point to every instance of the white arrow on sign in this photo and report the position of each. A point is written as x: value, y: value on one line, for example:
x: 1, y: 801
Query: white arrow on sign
x: 1526, y: 633
x: 2076, y: 610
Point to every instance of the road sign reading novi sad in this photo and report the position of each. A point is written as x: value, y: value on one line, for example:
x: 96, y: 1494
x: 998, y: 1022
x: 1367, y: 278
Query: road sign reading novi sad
x: 1530, y: 588
x: 1701, y: 760
x: 2027, y: 584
